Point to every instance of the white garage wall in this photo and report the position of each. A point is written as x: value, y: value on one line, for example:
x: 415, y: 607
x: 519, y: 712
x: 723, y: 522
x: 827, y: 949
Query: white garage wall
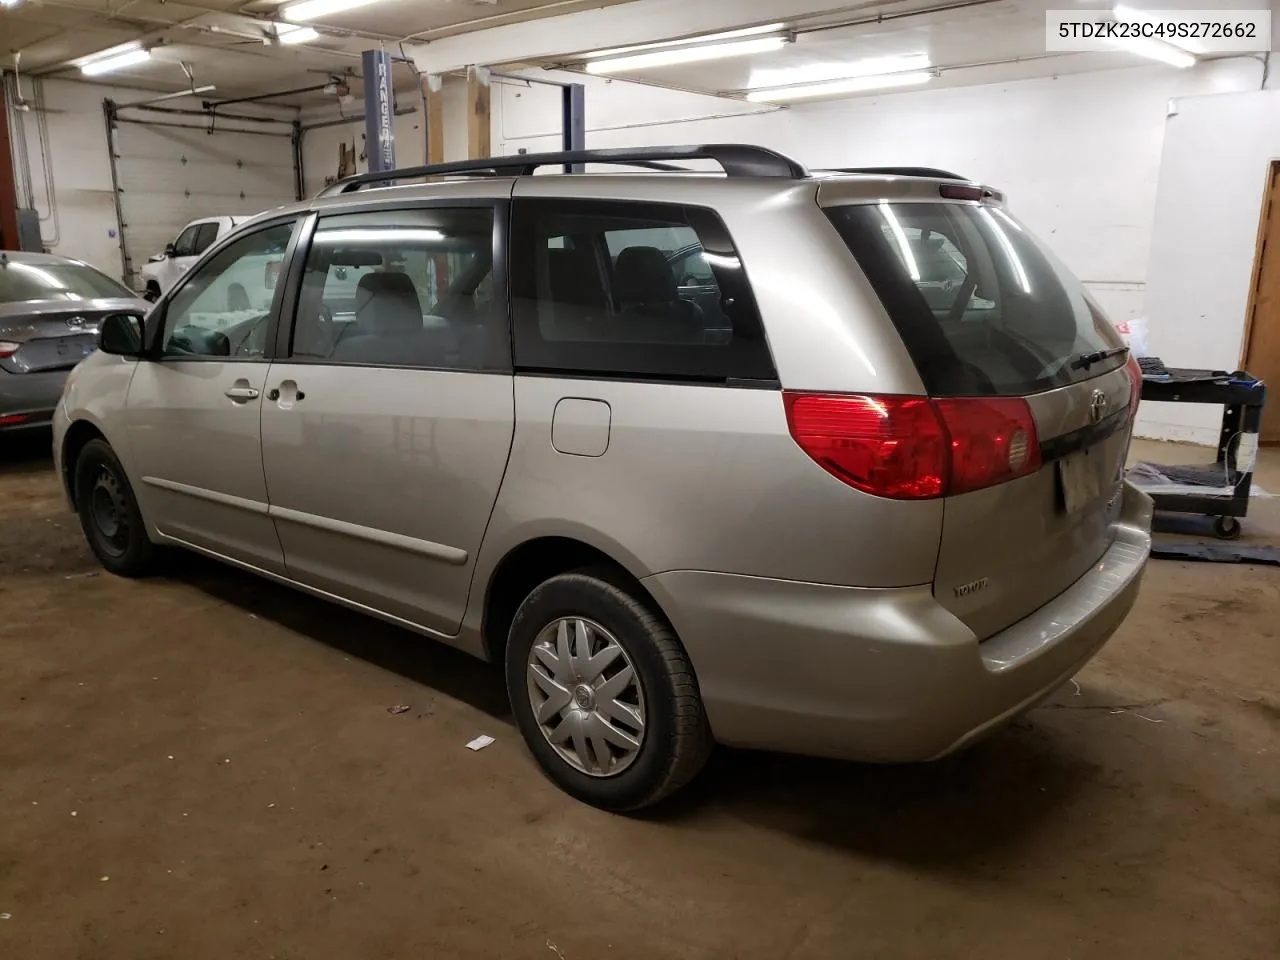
x: 79, y: 219
x: 77, y: 209
x: 1212, y: 181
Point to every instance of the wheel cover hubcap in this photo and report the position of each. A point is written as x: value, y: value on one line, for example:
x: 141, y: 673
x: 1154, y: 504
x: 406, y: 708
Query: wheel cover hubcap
x: 586, y: 696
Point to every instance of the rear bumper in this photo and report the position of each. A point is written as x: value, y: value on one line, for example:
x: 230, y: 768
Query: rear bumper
x: 32, y: 396
x: 886, y: 674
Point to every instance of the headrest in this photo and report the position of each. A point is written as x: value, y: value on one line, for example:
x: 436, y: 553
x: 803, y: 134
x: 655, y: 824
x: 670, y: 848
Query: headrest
x: 642, y: 275
x: 387, y: 303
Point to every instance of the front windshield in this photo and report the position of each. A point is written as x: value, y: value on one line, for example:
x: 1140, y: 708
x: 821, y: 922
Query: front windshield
x: 20, y: 282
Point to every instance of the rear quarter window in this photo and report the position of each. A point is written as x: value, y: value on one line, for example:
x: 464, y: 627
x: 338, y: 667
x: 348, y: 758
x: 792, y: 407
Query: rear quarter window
x: 632, y: 290
x: 983, y: 307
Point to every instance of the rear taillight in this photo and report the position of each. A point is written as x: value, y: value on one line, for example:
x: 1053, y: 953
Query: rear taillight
x: 890, y: 446
x: 1134, y: 370
x: 993, y: 439
x: 915, y: 448
x: 8, y: 348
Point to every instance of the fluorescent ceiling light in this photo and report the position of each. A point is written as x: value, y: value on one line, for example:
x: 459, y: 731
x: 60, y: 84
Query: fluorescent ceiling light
x: 822, y: 72
x: 667, y: 58
x: 381, y: 235
x: 688, y: 41
x: 1156, y: 50
x: 1010, y: 254
x: 105, y: 65
x: 839, y: 87
x: 118, y: 49
x: 900, y: 237
x: 318, y: 9
x: 287, y: 33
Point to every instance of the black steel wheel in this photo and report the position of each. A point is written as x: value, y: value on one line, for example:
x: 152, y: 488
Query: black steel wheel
x: 109, y: 513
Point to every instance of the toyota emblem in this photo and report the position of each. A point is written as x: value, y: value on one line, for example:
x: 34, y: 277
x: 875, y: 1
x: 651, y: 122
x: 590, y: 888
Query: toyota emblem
x: 1097, y: 406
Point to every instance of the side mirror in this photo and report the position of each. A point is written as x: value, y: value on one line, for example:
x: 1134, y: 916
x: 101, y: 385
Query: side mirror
x: 168, y: 250
x: 121, y: 335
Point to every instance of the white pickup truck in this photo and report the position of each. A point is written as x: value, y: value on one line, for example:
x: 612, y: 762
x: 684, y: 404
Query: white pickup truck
x: 163, y: 269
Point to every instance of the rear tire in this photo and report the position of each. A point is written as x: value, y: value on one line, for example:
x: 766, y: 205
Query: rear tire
x: 608, y: 703
x: 109, y: 513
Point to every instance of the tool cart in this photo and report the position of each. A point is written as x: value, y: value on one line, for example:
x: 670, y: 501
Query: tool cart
x: 1220, y: 489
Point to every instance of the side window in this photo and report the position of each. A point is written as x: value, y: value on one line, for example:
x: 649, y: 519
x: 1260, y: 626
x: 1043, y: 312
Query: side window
x: 185, y: 245
x: 206, y: 233
x: 223, y: 309
x: 602, y: 287
x: 404, y: 288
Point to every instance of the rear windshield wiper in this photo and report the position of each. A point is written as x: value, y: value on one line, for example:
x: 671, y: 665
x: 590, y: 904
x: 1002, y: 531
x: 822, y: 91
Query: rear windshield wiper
x: 1087, y: 360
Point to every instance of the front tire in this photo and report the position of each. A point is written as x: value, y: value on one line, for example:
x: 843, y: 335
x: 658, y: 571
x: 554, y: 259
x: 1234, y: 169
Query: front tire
x: 109, y: 513
x: 604, y: 694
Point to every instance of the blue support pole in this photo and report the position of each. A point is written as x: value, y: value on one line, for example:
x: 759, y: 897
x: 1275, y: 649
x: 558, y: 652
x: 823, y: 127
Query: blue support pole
x: 379, y: 111
x: 573, y: 99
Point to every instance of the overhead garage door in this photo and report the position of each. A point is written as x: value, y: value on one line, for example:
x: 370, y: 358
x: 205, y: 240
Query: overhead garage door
x: 169, y: 175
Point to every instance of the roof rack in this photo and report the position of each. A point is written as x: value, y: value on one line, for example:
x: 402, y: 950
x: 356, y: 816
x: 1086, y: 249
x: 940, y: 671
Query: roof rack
x: 931, y: 172
x: 737, y: 159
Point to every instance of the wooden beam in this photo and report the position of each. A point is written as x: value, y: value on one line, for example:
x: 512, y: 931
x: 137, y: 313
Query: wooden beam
x: 433, y: 98
x: 479, y: 134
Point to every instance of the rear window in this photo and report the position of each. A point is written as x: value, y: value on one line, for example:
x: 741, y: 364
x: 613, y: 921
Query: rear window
x: 55, y: 281
x: 983, y: 308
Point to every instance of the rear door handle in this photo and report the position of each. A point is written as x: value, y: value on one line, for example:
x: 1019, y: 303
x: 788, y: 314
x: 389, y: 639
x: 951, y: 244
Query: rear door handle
x: 242, y: 394
x: 287, y: 393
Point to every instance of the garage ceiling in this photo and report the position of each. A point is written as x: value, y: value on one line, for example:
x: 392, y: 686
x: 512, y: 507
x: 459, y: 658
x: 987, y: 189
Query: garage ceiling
x: 227, y: 42
x: 967, y: 41
x: 230, y: 43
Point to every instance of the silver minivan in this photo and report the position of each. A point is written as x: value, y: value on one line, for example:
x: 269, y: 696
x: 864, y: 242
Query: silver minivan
x: 824, y: 463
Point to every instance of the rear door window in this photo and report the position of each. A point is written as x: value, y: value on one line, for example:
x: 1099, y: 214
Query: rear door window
x: 983, y: 308
x: 404, y: 288
x: 599, y: 289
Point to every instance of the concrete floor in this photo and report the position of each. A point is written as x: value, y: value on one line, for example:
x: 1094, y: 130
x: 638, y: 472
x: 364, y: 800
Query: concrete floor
x: 202, y: 765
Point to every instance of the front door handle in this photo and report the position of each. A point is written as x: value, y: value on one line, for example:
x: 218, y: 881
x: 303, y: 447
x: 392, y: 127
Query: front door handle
x: 242, y: 394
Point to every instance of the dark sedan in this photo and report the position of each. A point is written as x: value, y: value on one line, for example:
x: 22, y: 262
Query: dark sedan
x: 50, y: 309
